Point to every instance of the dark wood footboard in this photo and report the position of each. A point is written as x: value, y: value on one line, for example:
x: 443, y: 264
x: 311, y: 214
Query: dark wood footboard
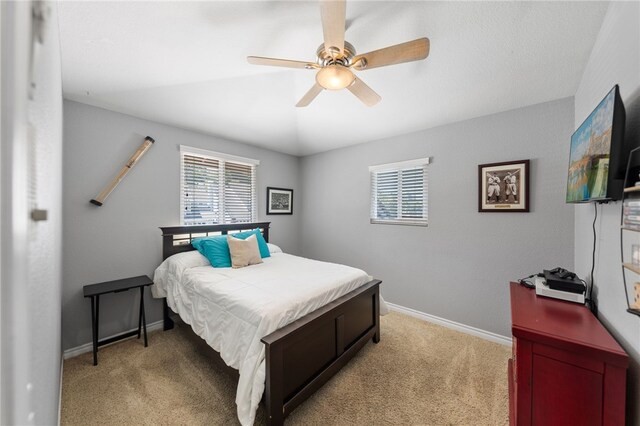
x: 305, y: 354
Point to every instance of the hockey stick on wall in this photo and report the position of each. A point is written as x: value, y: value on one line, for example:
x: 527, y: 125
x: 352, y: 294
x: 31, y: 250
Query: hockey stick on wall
x: 99, y: 200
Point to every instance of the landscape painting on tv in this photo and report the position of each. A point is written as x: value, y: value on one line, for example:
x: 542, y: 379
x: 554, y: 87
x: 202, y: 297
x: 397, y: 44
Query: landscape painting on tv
x: 589, y: 157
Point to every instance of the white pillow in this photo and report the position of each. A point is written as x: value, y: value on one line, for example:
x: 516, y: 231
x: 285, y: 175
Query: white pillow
x: 173, y: 268
x: 274, y: 248
x: 180, y: 262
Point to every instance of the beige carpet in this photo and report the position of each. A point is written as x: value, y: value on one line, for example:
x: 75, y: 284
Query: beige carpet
x: 419, y: 374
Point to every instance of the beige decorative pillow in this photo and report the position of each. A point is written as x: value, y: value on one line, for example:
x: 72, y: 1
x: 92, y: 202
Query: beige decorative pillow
x: 244, y: 252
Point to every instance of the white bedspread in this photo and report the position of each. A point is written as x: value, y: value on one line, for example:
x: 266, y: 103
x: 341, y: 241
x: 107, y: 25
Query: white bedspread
x: 232, y: 309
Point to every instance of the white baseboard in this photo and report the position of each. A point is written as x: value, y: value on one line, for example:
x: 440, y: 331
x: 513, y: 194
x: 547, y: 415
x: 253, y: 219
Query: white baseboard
x: 88, y: 347
x: 487, y: 335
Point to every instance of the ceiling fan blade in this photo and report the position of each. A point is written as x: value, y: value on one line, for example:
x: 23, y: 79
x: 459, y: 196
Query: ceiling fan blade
x: 310, y: 95
x: 333, y: 13
x: 273, y: 62
x: 404, y: 52
x: 364, y: 92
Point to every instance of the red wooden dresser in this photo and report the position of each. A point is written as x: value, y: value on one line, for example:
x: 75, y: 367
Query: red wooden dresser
x: 566, y: 368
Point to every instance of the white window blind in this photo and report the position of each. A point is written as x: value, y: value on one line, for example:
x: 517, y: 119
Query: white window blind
x: 216, y: 188
x: 399, y: 192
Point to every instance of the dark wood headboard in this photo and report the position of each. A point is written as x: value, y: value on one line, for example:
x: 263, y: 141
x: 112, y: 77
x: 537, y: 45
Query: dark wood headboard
x: 177, y: 239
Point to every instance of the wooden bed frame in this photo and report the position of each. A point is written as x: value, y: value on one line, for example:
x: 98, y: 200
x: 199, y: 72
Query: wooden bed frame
x: 305, y: 354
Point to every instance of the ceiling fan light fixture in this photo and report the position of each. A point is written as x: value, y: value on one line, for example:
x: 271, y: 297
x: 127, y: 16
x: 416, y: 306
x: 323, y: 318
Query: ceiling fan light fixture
x: 335, y: 77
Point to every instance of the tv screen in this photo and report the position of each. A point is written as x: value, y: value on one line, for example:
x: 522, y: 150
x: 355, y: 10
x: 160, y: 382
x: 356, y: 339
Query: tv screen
x: 596, y: 143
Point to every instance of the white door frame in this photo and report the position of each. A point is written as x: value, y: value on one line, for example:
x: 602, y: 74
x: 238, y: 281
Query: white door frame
x: 15, y: 27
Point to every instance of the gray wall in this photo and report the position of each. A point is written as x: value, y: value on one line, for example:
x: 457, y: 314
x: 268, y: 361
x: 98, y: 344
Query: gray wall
x: 615, y: 59
x: 122, y: 238
x: 460, y: 265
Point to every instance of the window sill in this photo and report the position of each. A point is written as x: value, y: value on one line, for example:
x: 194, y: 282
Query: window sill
x: 398, y: 222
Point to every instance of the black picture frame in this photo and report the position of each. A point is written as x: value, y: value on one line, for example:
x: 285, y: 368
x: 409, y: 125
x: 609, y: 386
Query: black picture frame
x: 500, y: 195
x: 279, y: 200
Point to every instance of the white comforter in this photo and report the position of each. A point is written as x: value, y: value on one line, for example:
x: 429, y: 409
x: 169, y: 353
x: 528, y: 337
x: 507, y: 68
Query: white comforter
x: 232, y: 309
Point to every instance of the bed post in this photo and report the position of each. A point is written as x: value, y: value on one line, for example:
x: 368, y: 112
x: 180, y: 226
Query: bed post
x: 376, y: 314
x: 168, y: 322
x: 274, y: 398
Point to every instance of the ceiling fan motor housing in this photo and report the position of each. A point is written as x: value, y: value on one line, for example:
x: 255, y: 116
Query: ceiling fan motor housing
x: 327, y: 58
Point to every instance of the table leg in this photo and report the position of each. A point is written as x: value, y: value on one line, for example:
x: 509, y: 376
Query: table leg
x: 93, y: 331
x: 97, y: 317
x: 96, y: 335
x: 144, y: 320
x: 140, y: 313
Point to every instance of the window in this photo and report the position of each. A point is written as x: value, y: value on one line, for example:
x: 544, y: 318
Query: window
x: 216, y: 188
x: 399, y: 192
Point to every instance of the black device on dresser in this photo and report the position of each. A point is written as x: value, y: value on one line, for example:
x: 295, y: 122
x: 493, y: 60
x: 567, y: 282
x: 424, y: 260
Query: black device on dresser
x: 563, y: 280
x: 94, y: 291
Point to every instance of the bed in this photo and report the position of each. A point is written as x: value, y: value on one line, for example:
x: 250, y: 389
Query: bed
x: 285, y: 351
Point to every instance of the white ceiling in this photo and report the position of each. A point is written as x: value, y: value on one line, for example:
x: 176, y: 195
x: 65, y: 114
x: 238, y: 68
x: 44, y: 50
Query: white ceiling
x: 183, y: 63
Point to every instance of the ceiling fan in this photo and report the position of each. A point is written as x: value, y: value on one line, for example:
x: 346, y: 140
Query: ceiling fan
x: 336, y: 58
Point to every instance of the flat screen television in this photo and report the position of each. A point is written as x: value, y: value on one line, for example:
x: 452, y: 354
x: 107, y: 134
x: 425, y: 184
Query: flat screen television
x: 598, y: 156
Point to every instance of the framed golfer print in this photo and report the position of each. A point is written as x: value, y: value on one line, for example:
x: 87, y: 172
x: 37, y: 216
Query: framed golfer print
x: 504, y: 187
x: 279, y: 201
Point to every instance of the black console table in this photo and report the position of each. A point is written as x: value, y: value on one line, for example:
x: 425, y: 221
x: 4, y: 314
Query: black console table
x: 94, y: 291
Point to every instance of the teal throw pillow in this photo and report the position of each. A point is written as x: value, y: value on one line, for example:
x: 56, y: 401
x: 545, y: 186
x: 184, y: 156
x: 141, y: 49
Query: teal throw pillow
x: 216, y: 248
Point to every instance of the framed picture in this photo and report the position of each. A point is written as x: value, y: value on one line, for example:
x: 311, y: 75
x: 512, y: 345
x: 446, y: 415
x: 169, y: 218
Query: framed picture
x: 279, y: 201
x: 635, y: 254
x: 504, y: 187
